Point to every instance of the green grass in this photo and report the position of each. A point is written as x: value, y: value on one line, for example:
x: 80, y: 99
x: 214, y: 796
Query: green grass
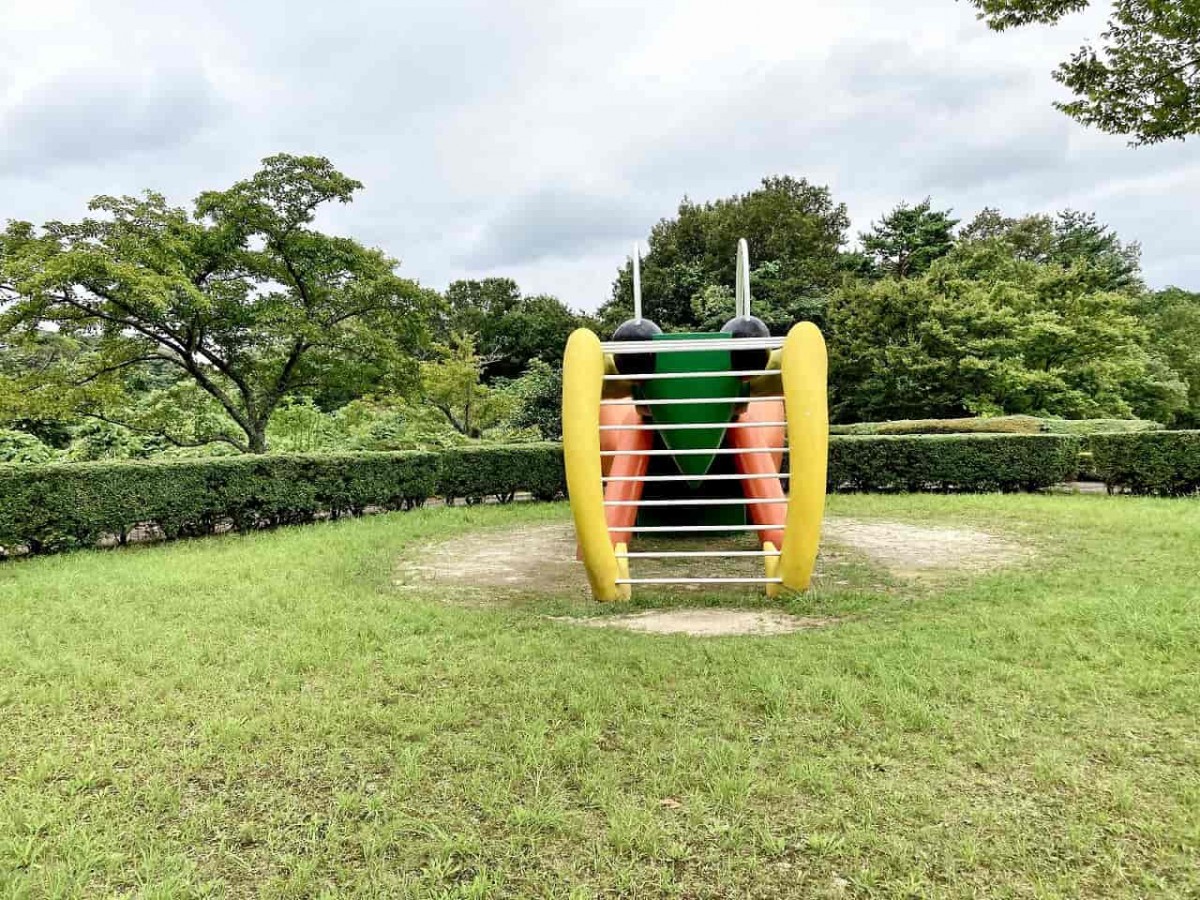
x: 269, y: 715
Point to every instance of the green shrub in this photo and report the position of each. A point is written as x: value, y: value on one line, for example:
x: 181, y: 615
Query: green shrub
x: 19, y: 447
x: 998, y: 425
x: 501, y: 471
x: 1158, y: 462
x: 977, y: 425
x: 1100, y: 426
x: 977, y: 462
x: 55, y: 507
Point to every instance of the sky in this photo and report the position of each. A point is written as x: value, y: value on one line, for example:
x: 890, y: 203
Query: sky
x: 539, y: 139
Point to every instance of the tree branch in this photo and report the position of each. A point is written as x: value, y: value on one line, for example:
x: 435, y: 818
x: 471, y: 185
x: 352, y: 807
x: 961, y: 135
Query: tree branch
x: 222, y: 438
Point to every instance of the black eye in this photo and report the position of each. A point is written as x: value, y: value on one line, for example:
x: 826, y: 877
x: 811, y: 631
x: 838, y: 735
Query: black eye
x: 748, y: 327
x: 635, y: 330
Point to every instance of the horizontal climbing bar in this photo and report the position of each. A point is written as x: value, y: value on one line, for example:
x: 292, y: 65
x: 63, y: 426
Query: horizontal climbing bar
x: 692, y: 426
x: 701, y: 501
x: 683, y: 529
x: 618, y: 347
x: 736, y: 477
x: 699, y: 581
x: 719, y: 373
x: 688, y: 554
x: 690, y: 401
x: 720, y: 451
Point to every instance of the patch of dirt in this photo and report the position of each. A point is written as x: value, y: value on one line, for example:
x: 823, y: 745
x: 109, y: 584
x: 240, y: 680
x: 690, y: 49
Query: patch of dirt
x: 704, y: 622
x: 490, y: 566
x: 909, y: 550
x: 538, y: 559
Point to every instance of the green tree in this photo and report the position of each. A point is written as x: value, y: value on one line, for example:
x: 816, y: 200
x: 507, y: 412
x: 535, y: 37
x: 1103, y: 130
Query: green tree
x: 508, y: 329
x: 1023, y: 337
x: 1145, y: 79
x: 1069, y: 238
x: 244, y: 299
x: 907, y: 240
x: 1173, y: 317
x: 795, y: 232
x: 453, y: 385
x: 538, y: 396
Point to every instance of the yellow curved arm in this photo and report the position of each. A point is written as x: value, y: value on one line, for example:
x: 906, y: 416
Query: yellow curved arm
x: 805, y: 371
x: 583, y: 382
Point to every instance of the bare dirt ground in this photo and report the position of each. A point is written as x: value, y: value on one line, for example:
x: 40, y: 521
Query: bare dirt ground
x: 705, y: 622
x: 502, y: 566
x: 908, y: 550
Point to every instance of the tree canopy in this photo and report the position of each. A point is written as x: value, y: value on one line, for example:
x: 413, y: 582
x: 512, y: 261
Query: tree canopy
x: 907, y: 240
x: 1144, y: 81
x: 508, y: 330
x: 243, y: 299
x: 795, y: 231
x: 985, y: 332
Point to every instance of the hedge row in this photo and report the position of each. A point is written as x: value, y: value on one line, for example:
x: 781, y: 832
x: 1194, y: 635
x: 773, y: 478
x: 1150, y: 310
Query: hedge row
x: 45, y: 508
x: 952, y: 462
x: 1166, y: 463
x: 54, y: 507
x: 998, y: 425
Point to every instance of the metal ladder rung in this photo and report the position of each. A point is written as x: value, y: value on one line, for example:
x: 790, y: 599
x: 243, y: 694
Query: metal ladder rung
x: 720, y: 451
x: 716, y: 501
x: 737, y: 477
x: 688, y: 554
x: 692, y: 426
x: 682, y: 346
x: 681, y: 529
x: 687, y: 401
x: 719, y: 373
x: 699, y: 581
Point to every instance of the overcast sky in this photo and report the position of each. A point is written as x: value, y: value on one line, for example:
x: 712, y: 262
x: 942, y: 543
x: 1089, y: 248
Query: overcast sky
x: 539, y: 139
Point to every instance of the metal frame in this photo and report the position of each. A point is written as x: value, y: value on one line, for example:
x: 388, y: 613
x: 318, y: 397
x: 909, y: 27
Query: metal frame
x: 688, y: 401
x: 693, y: 426
x: 618, y: 348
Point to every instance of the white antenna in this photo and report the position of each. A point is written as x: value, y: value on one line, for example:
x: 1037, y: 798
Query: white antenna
x: 637, y: 283
x: 741, y: 301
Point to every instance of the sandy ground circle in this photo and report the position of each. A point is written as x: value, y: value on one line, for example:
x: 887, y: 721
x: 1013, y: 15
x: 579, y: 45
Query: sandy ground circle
x: 906, y: 549
x: 705, y: 622
x: 539, y: 560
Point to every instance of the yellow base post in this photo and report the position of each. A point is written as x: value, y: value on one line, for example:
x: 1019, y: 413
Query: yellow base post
x: 805, y: 370
x: 583, y: 384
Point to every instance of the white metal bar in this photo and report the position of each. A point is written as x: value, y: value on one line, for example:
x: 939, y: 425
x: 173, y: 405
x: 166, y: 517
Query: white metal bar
x: 692, y: 426
x: 681, y: 529
x: 699, y: 581
x: 702, y: 501
x: 682, y: 401
x: 719, y: 373
x: 637, y: 283
x: 757, y: 476
x: 668, y: 346
x: 741, y: 296
x: 682, y: 554
x: 720, y: 451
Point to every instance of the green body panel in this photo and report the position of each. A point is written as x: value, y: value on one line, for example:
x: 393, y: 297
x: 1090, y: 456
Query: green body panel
x: 682, y: 388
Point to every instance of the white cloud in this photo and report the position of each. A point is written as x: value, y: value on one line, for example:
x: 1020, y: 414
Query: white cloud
x: 539, y: 138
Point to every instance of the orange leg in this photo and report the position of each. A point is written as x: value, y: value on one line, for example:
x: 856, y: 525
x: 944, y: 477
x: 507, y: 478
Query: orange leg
x: 625, y: 465
x: 770, y: 516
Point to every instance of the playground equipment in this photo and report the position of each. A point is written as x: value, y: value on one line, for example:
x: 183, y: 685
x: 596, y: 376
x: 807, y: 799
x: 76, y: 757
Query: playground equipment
x: 678, y: 434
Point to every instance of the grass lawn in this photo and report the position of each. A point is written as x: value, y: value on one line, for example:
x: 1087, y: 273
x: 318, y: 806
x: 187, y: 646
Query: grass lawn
x: 270, y: 715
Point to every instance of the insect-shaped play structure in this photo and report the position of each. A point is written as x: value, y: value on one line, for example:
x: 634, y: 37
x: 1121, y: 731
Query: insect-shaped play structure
x: 685, y: 434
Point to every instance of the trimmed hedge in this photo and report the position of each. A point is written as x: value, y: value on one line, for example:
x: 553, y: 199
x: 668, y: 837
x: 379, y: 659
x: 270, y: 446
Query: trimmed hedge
x: 970, y: 463
x: 45, y: 508
x: 998, y: 425
x: 1166, y: 463
x: 477, y: 473
x: 55, y: 507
